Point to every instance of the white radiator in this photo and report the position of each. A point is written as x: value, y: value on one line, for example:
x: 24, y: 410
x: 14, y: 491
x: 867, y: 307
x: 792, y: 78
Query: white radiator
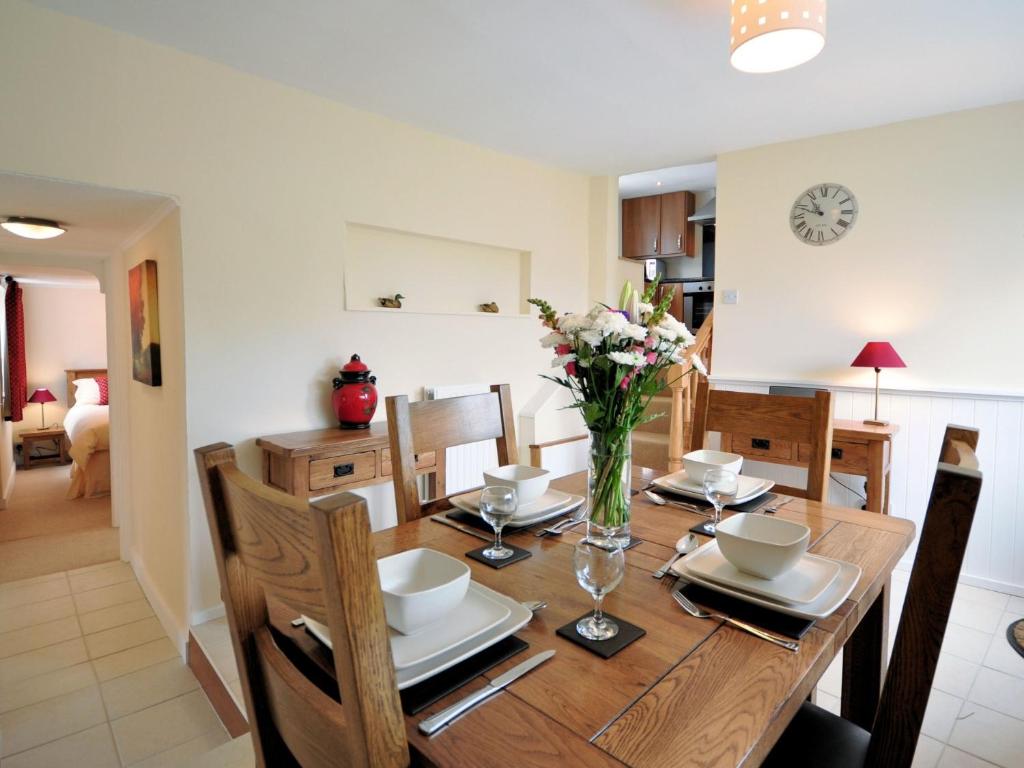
x: 465, y: 464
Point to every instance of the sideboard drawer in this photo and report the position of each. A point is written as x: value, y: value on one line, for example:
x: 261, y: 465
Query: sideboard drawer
x: 339, y: 471
x: 423, y: 460
x: 754, y: 447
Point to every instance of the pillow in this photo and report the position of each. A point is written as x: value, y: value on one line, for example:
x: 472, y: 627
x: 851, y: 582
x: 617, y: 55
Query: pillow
x: 104, y: 386
x: 87, y: 391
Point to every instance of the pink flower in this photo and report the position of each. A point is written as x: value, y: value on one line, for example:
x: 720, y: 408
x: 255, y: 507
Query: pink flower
x: 570, y: 368
x: 652, y: 358
x: 625, y: 381
x: 650, y: 342
x: 563, y: 349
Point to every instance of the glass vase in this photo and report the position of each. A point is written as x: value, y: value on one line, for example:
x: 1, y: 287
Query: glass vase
x: 608, y: 488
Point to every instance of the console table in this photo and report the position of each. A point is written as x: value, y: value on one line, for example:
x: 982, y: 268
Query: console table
x: 322, y: 461
x: 857, y: 449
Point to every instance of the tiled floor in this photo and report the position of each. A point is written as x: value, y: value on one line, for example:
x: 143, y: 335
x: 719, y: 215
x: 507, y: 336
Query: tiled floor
x: 975, y: 716
x: 89, y: 679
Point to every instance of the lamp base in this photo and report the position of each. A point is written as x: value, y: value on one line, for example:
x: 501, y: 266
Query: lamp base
x: 876, y: 423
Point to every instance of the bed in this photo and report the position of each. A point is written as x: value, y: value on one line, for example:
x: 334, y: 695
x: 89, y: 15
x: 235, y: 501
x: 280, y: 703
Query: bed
x: 88, y: 429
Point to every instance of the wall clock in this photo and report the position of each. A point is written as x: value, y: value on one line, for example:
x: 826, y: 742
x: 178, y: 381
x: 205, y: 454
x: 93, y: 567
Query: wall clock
x: 823, y: 214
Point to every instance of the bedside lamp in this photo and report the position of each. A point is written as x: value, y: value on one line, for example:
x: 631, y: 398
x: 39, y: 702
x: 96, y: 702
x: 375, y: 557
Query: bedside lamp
x: 877, y: 355
x: 42, y: 396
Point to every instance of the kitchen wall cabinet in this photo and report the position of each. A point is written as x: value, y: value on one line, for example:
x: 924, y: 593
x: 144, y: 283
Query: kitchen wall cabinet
x: 658, y: 226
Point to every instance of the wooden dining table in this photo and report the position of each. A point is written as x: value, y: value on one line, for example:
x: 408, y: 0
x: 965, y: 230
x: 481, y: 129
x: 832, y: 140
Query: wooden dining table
x: 691, y: 692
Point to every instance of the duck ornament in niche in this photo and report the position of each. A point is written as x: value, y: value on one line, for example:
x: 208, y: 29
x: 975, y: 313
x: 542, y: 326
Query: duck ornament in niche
x: 490, y: 306
x: 394, y: 303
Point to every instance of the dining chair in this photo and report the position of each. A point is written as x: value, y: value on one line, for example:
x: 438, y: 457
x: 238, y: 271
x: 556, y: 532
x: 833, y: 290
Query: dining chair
x: 436, y: 425
x: 818, y: 737
x: 806, y: 420
x: 319, y: 560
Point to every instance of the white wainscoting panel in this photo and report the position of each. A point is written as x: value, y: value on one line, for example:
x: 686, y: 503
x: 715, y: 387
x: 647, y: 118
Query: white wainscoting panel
x: 465, y: 464
x: 995, y: 553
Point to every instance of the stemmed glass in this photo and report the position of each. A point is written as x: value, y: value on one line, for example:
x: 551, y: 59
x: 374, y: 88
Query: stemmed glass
x: 599, y: 567
x: 497, y: 506
x: 720, y: 488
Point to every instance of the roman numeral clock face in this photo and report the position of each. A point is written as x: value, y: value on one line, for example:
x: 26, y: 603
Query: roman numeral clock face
x: 823, y: 214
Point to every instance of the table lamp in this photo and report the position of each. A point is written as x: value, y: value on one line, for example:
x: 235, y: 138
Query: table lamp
x: 877, y: 355
x: 42, y: 396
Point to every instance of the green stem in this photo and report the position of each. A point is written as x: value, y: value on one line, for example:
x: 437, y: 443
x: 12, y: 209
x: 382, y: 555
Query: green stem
x: 609, y: 500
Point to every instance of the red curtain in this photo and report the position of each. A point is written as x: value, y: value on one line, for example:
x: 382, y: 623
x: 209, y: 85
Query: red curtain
x: 16, y: 349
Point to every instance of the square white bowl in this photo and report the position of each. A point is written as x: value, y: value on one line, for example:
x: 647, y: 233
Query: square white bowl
x: 420, y: 586
x: 530, y: 483
x: 696, y: 463
x: 762, y: 546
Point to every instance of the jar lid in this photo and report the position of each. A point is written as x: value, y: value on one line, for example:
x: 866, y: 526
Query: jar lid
x: 355, y: 365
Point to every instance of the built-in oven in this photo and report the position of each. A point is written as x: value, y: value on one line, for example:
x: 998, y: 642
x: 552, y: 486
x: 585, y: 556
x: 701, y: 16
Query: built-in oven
x: 698, y: 301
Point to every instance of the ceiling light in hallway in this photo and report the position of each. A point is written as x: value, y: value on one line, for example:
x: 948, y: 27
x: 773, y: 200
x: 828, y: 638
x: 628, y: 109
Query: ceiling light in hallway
x: 34, y: 229
x: 772, y: 35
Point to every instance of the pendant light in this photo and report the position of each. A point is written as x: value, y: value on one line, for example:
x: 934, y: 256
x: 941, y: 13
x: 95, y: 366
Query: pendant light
x: 32, y: 228
x: 773, y: 35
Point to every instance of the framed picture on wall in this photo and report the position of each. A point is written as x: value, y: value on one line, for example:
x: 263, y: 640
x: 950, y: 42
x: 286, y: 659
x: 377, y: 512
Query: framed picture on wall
x: 145, y: 316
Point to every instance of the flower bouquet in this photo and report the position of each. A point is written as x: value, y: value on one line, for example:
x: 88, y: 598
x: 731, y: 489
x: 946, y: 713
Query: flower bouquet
x: 612, y: 361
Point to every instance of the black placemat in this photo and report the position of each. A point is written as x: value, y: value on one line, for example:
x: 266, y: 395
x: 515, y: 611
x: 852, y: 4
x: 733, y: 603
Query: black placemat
x: 753, y: 505
x: 517, y: 555
x: 628, y: 633
x: 467, y: 518
x: 773, y: 621
x: 418, y: 697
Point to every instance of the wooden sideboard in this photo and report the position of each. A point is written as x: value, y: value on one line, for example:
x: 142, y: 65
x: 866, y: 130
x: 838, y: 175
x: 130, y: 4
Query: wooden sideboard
x: 857, y: 449
x: 322, y: 461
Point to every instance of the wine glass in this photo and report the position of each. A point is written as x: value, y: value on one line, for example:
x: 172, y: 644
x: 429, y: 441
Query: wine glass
x: 497, y: 505
x: 599, y: 567
x: 720, y: 488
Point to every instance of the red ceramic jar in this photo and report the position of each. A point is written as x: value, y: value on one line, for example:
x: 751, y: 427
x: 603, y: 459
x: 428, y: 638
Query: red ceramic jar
x: 355, y: 396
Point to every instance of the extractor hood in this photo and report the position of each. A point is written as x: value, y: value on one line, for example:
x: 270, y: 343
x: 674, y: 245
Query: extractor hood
x: 705, y: 214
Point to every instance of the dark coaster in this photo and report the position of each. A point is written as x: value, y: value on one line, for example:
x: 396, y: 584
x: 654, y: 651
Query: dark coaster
x: 418, y: 697
x: 1015, y: 634
x: 633, y: 542
x: 773, y: 621
x: 518, y: 554
x: 701, y: 529
x: 628, y: 633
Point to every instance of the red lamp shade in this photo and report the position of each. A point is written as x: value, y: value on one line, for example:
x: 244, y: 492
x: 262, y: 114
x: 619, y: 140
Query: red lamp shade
x: 42, y: 395
x: 878, y: 354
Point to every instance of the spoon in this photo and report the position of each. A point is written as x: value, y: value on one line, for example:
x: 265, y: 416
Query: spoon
x: 534, y: 605
x: 661, y: 501
x: 684, y: 546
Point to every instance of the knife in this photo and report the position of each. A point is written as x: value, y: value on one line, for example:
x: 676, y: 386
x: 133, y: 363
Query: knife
x: 436, y: 722
x: 445, y: 520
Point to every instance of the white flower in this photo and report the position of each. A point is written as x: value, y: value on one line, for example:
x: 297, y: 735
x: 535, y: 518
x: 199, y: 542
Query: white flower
x: 644, y: 309
x: 635, y: 332
x: 673, y: 330
x: 610, y: 322
x: 573, y: 323
x: 553, y: 339
x: 562, y: 360
x: 632, y: 359
x: 591, y: 337
x: 697, y: 363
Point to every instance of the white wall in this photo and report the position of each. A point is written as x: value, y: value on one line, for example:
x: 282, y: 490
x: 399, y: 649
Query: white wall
x: 267, y: 176
x: 65, y: 327
x: 935, y: 263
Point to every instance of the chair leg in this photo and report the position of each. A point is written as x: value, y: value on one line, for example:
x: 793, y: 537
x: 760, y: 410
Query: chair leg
x: 864, y: 663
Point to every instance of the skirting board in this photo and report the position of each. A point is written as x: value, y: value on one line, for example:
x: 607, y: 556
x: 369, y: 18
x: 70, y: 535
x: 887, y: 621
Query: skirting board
x: 178, y: 635
x: 201, y: 617
x: 8, y: 485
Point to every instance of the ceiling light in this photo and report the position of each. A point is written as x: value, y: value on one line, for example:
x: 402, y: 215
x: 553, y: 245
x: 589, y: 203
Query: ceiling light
x: 772, y: 35
x: 34, y: 229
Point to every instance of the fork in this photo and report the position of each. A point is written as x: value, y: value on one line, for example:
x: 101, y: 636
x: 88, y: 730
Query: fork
x: 700, y: 613
x: 580, y: 516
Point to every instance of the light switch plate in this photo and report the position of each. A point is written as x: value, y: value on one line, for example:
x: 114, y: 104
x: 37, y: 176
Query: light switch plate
x: 730, y: 296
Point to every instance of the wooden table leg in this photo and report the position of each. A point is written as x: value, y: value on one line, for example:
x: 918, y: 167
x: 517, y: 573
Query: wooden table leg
x: 26, y: 451
x: 864, y: 663
x: 876, y: 475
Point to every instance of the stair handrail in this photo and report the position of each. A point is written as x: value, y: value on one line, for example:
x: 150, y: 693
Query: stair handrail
x: 683, y: 385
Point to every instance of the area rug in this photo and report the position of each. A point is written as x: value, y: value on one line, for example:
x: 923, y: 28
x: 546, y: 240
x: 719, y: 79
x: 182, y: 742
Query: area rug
x: 26, y: 558
x: 1015, y: 634
x: 37, y: 506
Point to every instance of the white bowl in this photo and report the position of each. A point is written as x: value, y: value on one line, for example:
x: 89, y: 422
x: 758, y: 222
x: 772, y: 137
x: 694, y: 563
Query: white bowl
x: 696, y: 463
x: 530, y: 482
x: 420, y: 586
x: 762, y: 546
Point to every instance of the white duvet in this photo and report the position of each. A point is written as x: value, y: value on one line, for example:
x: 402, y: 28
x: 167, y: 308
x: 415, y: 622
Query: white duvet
x: 88, y: 429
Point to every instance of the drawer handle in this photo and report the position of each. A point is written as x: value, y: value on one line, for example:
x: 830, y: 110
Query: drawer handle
x: 344, y: 470
x: 837, y: 453
x: 760, y: 443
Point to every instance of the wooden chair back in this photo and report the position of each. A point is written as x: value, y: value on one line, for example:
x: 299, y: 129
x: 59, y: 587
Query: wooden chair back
x: 933, y: 579
x: 319, y: 560
x: 435, y: 425
x: 805, y: 420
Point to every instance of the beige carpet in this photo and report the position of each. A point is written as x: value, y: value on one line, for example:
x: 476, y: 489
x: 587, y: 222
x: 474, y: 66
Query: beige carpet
x: 41, y: 532
x: 37, y: 506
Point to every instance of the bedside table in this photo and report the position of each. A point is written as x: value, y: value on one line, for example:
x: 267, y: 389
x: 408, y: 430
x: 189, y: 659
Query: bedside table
x: 54, y: 435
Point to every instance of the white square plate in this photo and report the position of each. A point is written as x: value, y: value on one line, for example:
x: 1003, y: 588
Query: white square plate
x: 552, y: 504
x: 518, y: 617
x: 749, y: 487
x: 804, y: 584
